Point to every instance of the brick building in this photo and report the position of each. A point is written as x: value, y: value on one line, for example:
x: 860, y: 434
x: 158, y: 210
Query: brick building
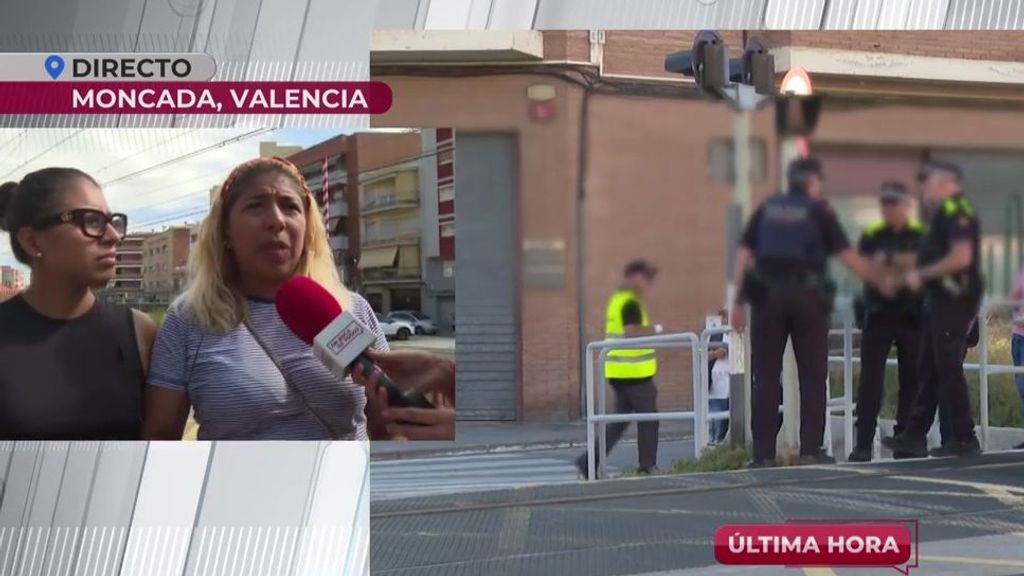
x: 11, y: 277
x: 164, y: 259
x: 638, y: 166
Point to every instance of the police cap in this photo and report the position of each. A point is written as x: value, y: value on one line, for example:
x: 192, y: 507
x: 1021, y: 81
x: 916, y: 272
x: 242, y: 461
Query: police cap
x: 943, y: 166
x: 640, y: 266
x: 892, y: 192
x: 801, y: 169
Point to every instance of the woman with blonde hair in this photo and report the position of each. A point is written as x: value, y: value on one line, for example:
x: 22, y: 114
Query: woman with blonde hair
x: 224, y: 352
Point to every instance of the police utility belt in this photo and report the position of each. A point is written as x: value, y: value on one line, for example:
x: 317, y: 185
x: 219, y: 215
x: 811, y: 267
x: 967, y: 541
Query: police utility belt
x: 757, y: 284
x: 968, y: 286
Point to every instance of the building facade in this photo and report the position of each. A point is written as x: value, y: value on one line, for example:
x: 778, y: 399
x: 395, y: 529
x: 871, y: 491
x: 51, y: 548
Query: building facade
x: 342, y: 223
x: 128, y: 272
x: 561, y: 182
x: 11, y: 277
x: 164, y: 259
x: 437, y: 227
x: 389, y: 212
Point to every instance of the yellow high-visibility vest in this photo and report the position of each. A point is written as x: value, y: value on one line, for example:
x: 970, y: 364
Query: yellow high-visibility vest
x: 633, y: 363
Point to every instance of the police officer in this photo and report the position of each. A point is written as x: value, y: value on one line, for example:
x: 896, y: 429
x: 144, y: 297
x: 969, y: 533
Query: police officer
x: 630, y: 372
x: 949, y: 274
x: 788, y: 240
x: 892, y: 242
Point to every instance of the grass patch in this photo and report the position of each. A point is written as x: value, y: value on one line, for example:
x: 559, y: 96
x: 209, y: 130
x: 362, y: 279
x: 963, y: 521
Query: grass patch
x: 714, y: 459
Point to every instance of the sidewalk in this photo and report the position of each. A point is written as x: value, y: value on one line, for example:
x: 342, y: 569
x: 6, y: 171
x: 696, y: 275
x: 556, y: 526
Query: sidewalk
x: 483, y: 437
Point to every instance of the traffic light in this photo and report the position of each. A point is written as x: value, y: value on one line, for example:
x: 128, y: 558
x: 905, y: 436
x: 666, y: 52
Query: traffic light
x: 797, y: 115
x: 797, y: 107
x: 758, y: 67
x: 708, y: 63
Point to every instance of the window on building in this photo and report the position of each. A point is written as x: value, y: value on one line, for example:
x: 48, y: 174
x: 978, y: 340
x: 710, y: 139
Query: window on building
x: 446, y: 156
x: 448, y: 230
x: 445, y: 193
x: 448, y: 269
x: 720, y: 160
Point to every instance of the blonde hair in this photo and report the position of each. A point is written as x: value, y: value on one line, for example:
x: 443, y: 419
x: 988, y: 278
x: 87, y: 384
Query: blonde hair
x: 213, y: 296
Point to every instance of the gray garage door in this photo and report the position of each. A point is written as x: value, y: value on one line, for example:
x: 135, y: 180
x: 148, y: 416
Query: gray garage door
x: 486, y: 344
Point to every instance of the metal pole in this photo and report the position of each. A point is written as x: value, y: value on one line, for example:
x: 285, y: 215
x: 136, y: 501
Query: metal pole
x: 847, y: 379
x: 983, y: 371
x: 737, y: 214
x: 589, y: 399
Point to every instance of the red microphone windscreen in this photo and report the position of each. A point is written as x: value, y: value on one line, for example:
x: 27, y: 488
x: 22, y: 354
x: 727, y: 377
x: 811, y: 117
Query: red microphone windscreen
x: 306, y: 307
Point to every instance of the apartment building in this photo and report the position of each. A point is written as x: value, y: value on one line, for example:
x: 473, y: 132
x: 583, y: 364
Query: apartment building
x: 11, y: 277
x: 164, y: 257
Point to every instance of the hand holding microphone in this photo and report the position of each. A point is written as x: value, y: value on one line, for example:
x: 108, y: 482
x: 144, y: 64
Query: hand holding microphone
x: 339, y: 340
x: 434, y: 374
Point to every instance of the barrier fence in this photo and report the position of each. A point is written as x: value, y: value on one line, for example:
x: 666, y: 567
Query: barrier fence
x: 699, y: 345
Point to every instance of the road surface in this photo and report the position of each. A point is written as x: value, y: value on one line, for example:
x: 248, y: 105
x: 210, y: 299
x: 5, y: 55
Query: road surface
x: 971, y: 514
x: 476, y: 472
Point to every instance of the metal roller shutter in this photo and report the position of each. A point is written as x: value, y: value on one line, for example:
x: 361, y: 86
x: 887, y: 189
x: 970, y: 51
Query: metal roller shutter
x: 486, y: 311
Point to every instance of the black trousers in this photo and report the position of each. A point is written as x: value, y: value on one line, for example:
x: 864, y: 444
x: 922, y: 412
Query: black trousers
x: 800, y: 313
x: 941, y: 369
x: 883, y: 329
x: 635, y: 396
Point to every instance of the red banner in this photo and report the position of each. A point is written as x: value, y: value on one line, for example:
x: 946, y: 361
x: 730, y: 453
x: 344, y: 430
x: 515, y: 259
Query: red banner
x: 797, y: 544
x: 194, y: 98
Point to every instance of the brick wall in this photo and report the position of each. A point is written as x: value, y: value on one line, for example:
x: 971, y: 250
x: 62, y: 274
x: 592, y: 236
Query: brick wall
x: 643, y: 52
x: 377, y: 150
x: 995, y: 45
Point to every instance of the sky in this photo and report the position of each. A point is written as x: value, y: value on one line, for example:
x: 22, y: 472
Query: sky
x: 158, y: 177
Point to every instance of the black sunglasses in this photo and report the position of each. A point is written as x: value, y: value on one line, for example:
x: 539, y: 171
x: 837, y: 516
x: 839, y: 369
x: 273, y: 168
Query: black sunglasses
x: 92, y: 223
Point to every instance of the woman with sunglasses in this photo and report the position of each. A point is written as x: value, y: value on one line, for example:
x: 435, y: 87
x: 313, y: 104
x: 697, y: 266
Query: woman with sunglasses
x: 224, y: 351
x: 72, y: 367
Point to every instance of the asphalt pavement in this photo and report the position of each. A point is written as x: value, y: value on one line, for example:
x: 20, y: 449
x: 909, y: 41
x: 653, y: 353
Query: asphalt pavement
x: 402, y: 478
x: 971, y: 514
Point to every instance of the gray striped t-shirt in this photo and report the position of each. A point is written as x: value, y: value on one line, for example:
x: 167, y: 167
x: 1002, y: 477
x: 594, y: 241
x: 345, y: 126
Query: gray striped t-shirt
x: 238, y: 393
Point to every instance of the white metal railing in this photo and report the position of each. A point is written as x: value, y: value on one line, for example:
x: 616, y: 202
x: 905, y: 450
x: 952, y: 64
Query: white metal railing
x: 600, y: 419
x: 983, y: 367
x: 596, y: 400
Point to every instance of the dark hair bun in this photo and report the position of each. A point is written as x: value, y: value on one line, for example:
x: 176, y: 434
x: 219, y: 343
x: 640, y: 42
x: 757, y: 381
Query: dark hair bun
x: 6, y: 195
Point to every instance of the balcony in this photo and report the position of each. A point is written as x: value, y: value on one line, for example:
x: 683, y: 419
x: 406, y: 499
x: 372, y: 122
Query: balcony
x: 389, y: 201
x: 385, y: 238
x: 411, y: 274
x: 338, y: 209
x: 339, y: 242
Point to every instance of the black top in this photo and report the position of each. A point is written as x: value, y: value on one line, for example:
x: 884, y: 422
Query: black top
x: 955, y: 221
x: 631, y: 314
x: 78, y: 379
x: 886, y: 240
x: 794, y: 234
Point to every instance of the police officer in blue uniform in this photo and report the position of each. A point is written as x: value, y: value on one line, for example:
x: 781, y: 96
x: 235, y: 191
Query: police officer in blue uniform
x: 892, y: 242
x: 781, y: 267
x: 948, y: 272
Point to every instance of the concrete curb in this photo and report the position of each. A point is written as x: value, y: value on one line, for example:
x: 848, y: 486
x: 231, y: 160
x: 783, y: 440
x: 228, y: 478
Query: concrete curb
x: 502, y: 448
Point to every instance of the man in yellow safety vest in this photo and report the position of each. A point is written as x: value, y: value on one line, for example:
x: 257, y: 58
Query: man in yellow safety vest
x: 631, y: 371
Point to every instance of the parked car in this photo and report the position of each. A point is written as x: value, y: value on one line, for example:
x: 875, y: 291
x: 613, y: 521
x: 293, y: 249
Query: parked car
x: 394, y: 328
x: 421, y: 322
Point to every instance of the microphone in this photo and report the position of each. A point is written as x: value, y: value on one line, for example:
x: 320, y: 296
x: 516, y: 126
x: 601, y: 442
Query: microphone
x: 338, y: 338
